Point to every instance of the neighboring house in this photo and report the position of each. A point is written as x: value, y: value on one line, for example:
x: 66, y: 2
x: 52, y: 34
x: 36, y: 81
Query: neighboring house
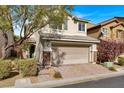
x: 67, y: 43
x: 89, y: 25
x: 109, y: 29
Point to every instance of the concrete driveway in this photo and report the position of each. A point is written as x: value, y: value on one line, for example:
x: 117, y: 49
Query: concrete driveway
x: 79, y: 70
x: 74, y: 70
x: 69, y: 73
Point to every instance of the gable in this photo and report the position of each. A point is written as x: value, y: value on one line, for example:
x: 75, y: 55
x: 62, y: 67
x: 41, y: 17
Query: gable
x: 89, y: 25
x: 120, y: 19
x: 119, y: 27
x: 104, y: 23
x: 109, y: 25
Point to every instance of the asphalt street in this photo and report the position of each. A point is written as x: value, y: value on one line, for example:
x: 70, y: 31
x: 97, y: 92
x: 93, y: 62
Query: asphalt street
x: 114, y: 82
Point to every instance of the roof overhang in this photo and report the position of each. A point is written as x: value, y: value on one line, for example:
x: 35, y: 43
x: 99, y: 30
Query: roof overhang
x: 69, y: 38
x: 104, y: 23
x: 117, y: 25
x: 76, y: 18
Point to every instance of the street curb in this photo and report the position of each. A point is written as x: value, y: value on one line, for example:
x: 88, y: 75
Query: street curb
x: 62, y: 82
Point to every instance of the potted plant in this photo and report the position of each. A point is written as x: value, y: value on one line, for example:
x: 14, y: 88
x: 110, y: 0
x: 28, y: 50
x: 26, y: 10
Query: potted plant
x: 109, y: 62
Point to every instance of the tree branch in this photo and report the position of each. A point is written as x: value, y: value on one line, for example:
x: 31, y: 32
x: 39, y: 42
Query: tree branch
x: 28, y: 35
x: 22, y: 27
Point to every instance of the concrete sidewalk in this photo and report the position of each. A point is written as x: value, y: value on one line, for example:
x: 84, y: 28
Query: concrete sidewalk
x: 62, y: 82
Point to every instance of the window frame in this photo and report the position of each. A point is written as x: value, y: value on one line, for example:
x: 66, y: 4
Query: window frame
x: 54, y: 26
x: 81, y: 27
x: 104, y: 31
x: 119, y: 34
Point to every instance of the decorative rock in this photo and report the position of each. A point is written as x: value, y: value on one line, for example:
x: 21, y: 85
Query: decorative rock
x: 22, y: 82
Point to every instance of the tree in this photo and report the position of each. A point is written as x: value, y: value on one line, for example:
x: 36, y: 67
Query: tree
x: 30, y: 19
x: 6, y: 29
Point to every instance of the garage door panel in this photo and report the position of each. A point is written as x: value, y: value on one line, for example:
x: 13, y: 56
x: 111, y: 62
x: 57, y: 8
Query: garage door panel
x: 74, y: 55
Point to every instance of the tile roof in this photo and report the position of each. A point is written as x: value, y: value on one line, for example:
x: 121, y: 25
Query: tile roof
x: 116, y: 18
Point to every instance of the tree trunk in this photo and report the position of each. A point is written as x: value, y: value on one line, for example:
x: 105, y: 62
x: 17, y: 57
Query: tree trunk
x: 8, y: 39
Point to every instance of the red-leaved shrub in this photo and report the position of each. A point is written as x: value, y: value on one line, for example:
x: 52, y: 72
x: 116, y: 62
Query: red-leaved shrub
x: 108, y: 50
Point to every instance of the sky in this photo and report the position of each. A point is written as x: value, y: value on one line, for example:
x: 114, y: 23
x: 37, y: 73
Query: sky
x: 98, y: 13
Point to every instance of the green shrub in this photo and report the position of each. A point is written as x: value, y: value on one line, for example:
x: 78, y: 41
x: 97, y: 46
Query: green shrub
x: 121, y: 61
x: 15, y: 64
x: 5, y: 68
x: 28, y: 67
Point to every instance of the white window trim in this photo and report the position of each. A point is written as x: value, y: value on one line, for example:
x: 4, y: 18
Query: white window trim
x: 119, y: 34
x: 104, y: 35
x: 84, y: 28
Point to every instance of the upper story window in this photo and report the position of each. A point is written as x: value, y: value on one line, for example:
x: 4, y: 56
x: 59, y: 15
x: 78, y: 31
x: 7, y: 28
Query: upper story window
x: 119, y: 34
x: 81, y: 27
x: 104, y: 31
x: 54, y: 26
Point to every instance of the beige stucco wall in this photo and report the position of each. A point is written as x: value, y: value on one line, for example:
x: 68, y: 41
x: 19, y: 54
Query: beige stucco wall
x: 72, y: 29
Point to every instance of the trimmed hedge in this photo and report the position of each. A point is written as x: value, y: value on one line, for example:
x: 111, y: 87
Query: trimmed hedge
x: 121, y: 61
x: 5, y: 68
x: 28, y: 67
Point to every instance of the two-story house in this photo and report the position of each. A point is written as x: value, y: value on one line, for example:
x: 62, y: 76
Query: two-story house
x: 108, y: 29
x: 67, y: 43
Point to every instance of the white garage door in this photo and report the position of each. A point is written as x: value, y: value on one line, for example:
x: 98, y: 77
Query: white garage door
x: 74, y: 55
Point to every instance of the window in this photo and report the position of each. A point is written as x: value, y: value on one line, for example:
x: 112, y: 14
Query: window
x: 81, y: 27
x: 104, y: 31
x: 119, y: 34
x: 59, y: 27
x: 66, y: 24
x: 54, y: 26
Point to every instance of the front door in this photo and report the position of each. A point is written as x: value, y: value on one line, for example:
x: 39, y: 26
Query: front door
x: 46, y: 58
